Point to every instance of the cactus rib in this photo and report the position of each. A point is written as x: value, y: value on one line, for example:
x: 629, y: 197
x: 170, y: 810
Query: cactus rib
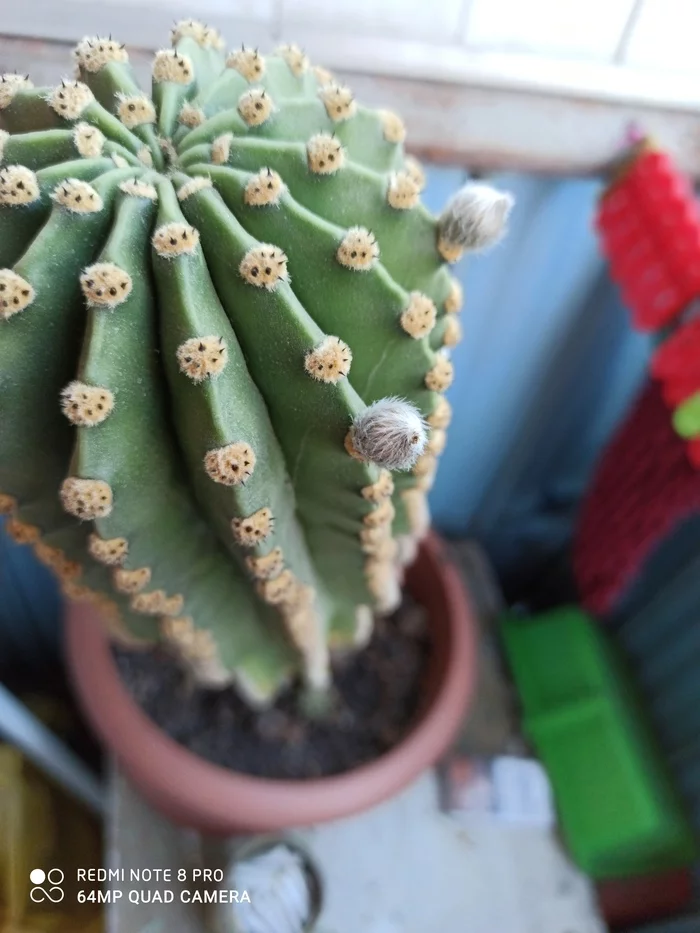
x: 132, y: 451
x: 217, y: 403
x: 36, y: 453
x: 310, y: 419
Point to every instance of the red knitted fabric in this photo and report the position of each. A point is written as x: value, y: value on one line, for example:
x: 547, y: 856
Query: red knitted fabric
x: 649, y: 228
x: 644, y: 486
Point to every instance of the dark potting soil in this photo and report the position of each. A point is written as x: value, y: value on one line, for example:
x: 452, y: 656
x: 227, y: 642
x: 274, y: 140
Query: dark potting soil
x: 378, y: 695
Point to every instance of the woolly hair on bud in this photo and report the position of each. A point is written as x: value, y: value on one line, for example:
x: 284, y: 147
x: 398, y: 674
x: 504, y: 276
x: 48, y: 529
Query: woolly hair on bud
x: 475, y: 217
x: 391, y: 433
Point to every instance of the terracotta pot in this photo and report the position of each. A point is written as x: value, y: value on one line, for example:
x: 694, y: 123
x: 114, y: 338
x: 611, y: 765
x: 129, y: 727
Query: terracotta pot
x: 195, y: 793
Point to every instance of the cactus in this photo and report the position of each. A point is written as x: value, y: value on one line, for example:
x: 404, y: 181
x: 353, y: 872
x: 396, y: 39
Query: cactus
x: 222, y: 314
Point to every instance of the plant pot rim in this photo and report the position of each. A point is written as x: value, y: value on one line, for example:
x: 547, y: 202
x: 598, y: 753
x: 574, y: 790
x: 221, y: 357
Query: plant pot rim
x: 205, y: 796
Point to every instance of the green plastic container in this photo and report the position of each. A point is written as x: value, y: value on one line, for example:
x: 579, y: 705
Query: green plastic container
x: 555, y: 659
x: 617, y: 807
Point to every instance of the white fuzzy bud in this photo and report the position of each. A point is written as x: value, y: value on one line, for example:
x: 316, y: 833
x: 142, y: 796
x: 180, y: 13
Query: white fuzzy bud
x: 475, y: 217
x: 390, y: 433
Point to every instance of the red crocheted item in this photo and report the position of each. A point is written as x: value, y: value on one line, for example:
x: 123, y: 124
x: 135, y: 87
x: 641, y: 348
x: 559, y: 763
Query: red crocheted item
x: 679, y: 354
x: 644, y: 487
x: 649, y: 227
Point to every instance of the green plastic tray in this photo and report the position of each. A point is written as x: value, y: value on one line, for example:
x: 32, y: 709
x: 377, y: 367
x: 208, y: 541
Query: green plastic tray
x: 618, y: 810
x: 555, y: 659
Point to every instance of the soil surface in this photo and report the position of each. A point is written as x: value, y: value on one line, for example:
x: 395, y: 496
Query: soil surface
x: 378, y: 694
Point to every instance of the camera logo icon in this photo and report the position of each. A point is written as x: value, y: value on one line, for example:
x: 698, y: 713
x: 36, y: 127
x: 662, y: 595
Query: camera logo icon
x: 47, y: 886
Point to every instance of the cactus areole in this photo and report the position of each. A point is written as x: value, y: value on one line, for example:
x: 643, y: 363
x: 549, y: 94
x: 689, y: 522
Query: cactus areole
x: 222, y: 314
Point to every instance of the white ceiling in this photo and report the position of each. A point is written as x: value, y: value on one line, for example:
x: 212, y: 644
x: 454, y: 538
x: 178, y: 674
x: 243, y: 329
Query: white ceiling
x: 626, y: 50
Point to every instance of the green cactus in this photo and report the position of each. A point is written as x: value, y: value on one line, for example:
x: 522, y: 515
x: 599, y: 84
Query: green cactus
x: 222, y: 313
